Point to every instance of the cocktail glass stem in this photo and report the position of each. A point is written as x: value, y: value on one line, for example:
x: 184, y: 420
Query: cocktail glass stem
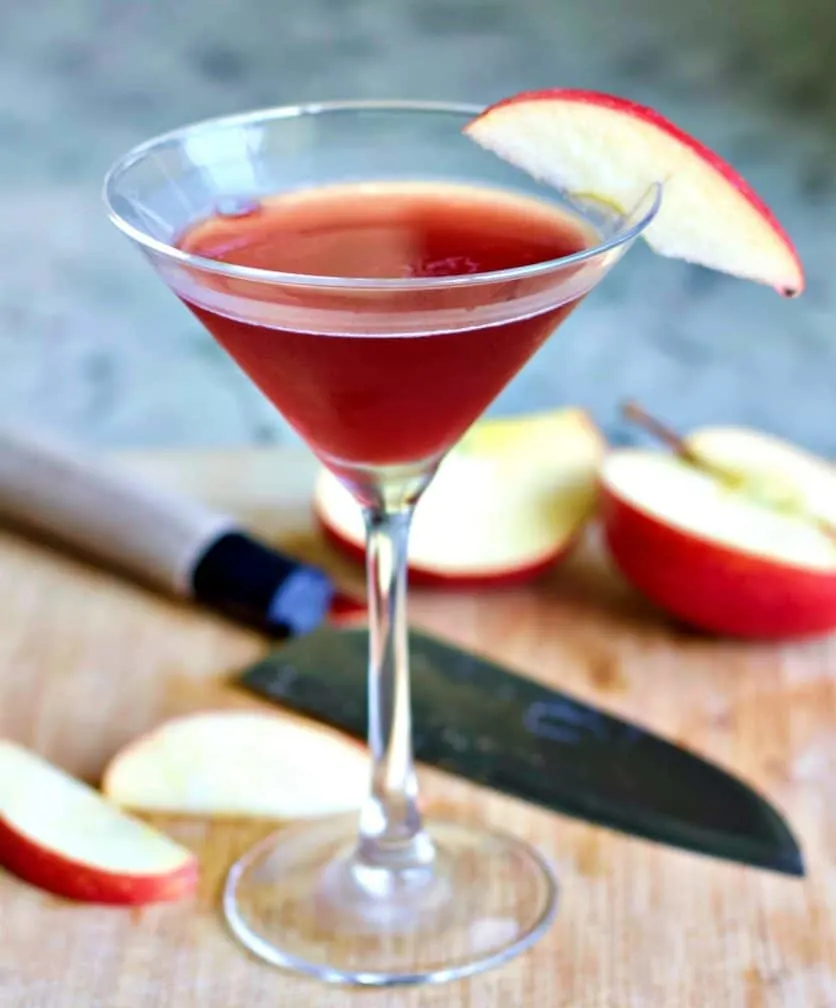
x: 391, y: 834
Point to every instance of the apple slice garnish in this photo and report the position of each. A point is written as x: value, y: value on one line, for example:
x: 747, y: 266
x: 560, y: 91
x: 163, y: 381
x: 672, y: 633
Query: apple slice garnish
x: 586, y: 142
x: 62, y: 836
x: 228, y: 764
x: 733, y: 533
x: 506, y: 503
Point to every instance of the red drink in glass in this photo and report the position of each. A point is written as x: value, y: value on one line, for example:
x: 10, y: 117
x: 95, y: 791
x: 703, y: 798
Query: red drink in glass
x: 385, y: 398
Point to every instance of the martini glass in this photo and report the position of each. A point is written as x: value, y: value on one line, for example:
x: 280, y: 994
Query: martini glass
x: 381, y: 377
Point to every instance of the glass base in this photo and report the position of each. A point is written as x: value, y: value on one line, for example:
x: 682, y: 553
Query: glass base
x: 300, y: 900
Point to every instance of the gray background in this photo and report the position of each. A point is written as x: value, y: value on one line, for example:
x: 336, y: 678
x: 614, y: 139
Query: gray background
x: 93, y: 346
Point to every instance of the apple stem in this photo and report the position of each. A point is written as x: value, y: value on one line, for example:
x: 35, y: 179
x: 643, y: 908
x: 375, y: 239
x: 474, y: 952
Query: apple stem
x: 636, y: 414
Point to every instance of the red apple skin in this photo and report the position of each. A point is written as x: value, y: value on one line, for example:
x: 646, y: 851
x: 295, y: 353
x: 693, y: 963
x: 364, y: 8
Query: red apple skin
x: 421, y: 577
x: 346, y: 608
x: 651, y: 116
x: 712, y: 587
x: 48, y: 870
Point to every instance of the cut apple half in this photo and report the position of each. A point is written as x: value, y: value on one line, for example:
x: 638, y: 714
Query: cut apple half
x: 741, y: 547
x: 229, y: 764
x: 62, y: 836
x: 586, y: 142
x: 506, y: 503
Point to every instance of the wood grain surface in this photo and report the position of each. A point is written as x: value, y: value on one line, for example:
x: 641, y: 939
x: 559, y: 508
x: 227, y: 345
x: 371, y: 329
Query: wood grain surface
x: 88, y: 660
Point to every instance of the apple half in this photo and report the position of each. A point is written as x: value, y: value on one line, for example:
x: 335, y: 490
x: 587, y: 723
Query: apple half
x: 506, y: 503
x: 229, y: 764
x: 62, y: 836
x: 744, y: 547
x: 593, y: 144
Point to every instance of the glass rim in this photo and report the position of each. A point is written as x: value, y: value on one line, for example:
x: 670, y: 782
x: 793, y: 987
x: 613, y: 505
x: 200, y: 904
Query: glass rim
x: 276, y: 277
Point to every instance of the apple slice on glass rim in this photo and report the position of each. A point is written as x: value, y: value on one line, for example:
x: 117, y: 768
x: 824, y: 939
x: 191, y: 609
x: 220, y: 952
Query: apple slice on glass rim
x: 599, y: 145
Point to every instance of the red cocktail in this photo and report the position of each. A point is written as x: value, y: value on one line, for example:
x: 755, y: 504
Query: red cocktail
x: 386, y: 398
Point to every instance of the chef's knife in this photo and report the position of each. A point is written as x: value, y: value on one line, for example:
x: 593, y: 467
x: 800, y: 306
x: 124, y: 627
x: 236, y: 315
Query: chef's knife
x: 159, y: 537
x: 475, y: 719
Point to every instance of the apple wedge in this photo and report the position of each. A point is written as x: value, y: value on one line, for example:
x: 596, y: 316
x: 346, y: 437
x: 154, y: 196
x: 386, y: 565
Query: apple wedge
x: 593, y: 144
x: 62, y: 836
x: 740, y: 543
x: 238, y: 764
x: 506, y: 503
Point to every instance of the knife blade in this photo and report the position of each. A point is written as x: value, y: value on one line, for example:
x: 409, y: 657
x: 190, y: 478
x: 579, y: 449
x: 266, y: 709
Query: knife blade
x: 475, y: 719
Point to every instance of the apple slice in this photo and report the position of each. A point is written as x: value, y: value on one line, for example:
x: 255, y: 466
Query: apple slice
x: 61, y: 835
x: 594, y: 144
x: 506, y: 503
x: 740, y: 543
x: 240, y: 763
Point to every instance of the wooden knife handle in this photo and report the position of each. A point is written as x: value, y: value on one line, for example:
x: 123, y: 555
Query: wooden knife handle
x: 156, y: 535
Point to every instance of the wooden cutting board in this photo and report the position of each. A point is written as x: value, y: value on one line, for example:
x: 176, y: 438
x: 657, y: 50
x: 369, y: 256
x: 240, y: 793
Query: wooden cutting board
x: 87, y: 661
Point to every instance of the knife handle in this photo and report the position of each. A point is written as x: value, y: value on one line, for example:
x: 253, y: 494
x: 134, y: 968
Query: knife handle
x: 156, y: 535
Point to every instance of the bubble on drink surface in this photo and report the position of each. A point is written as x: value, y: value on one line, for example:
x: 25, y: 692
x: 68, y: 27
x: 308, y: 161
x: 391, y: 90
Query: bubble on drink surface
x: 236, y: 206
x: 450, y: 266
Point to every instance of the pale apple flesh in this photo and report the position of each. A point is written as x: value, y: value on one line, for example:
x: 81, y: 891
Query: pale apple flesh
x: 745, y: 557
x: 454, y: 580
x: 62, y: 836
x: 230, y: 764
x: 506, y: 504
x: 586, y: 142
